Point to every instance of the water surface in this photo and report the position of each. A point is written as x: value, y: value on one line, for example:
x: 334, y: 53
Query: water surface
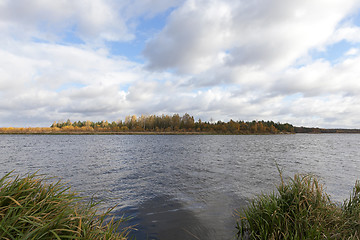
x: 183, y: 187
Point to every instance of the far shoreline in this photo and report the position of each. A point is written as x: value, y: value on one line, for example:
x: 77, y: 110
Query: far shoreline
x: 135, y: 133
x: 166, y: 133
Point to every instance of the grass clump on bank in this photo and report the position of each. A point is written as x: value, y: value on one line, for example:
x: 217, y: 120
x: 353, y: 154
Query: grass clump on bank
x: 30, y: 208
x: 301, y: 210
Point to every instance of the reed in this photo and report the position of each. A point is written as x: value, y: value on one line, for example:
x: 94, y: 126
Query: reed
x: 32, y: 208
x: 300, y: 209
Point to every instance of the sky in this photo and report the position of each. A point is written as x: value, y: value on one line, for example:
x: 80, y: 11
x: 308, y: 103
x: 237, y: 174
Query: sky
x: 287, y: 61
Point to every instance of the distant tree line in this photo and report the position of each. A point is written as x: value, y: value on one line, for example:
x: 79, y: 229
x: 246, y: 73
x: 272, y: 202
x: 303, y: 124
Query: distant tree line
x: 174, y: 123
x: 27, y: 130
x: 324, y: 130
x: 170, y: 124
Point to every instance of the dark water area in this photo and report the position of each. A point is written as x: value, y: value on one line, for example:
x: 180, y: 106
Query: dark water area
x: 183, y: 187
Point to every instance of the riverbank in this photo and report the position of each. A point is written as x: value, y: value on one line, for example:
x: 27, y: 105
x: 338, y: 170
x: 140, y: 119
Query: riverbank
x: 301, y: 210
x: 31, y: 208
x: 131, y: 133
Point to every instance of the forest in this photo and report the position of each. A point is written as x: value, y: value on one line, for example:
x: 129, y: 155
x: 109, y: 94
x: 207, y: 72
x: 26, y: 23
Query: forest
x: 164, y: 124
x: 324, y: 130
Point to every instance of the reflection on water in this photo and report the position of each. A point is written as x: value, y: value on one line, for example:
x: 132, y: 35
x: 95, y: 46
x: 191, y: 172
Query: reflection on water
x: 183, y: 187
x: 165, y: 218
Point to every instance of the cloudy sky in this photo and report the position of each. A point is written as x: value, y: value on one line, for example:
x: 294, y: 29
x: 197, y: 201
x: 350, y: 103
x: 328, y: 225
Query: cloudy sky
x: 289, y: 61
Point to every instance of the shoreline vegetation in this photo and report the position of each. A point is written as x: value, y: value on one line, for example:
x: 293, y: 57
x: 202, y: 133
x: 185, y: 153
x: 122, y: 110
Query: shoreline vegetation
x: 300, y: 210
x: 153, y: 124
x: 168, y: 125
x: 32, y: 208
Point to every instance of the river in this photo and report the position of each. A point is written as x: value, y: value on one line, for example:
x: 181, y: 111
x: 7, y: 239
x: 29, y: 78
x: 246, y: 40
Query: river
x: 183, y: 186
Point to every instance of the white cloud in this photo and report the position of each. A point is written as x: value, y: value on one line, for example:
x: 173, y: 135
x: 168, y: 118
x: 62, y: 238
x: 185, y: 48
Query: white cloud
x: 346, y: 32
x: 240, y: 60
x: 93, y: 21
x: 331, y: 111
x: 52, y: 20
x: 321, y: 78
x: 352, y: 52
x: 266, y: 34
x: 59, y: 82
x: 192, y: 40
x: 54, y: 65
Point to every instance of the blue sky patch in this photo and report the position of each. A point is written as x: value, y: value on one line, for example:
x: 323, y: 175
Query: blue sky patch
x: 146, y: 29
x: 67, y: 86
x: 334, y: 53
x: 71, y: 37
